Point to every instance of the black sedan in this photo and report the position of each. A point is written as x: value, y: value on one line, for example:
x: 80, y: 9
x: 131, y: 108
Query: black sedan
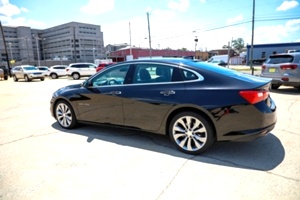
x: 195, y: 103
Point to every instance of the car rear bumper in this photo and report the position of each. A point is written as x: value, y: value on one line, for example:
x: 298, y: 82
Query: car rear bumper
x: 284, y: 80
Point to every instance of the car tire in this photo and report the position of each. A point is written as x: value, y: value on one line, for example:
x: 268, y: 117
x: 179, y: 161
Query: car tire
x: 191, y: 133
x: 42, y: 79
x: 54, y: 76
x: 26, y: 78
x: 76, y: 76
x: 5, y: 77
x: 65, y: 115
x: 15, y: 78
x: 275, y: 86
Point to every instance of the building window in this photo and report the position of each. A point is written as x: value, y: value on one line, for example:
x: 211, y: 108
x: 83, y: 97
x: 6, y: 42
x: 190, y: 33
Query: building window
x: 274, y: 52
x: 263, y: 54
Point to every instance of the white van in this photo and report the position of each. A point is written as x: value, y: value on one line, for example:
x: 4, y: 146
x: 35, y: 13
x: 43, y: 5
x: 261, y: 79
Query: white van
x: 218, y: 57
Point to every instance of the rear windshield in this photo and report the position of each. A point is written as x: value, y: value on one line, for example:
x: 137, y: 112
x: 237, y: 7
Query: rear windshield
x: 276, y: 59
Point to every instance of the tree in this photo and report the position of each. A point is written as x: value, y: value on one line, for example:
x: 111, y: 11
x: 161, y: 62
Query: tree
x: 225, y: 46
x: 238, y: 44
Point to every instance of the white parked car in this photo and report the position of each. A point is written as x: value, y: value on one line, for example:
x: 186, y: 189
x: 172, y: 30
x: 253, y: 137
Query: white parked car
x: 57, y: 71
x: 78, y: 70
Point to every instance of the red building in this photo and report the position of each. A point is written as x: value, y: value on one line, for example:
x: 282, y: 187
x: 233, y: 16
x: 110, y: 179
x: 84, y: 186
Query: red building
x: 121, y: 54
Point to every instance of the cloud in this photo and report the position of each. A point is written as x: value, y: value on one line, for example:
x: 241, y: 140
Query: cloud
x: 286, y: 5
x: 279, y: 33
x: 202, y: 1
x: 8, y: 9
x: 8, y: 13
x: 98, y: 7
x: 180, y: 5
x: 235, y: 19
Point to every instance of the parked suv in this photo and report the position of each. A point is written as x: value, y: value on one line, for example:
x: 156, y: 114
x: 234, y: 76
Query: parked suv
x: 4, y: 72
x: 78, y: 70
x: 27, y: 72
x: 284, y: 69
x: 57, y: 71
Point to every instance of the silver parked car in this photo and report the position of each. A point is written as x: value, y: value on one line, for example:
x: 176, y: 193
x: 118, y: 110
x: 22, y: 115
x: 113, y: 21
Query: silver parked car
x: 284, y: 69
x: 27, y: 72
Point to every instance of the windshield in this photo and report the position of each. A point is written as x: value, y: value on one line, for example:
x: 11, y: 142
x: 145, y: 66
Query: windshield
x: 30, y: 68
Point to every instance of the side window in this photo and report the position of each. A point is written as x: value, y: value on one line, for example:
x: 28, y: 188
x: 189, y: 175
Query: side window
x: 188, y: 75
x: 113, y: 76
x: 152, y: 73
x: 92, y: 66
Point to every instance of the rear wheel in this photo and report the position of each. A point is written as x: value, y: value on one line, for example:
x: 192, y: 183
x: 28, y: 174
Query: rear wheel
x: 65, y: 115
x: 54, y: 76
x: 191, y: 133
x: 42, y: 79
x: 275, y: 86
x: 5, y: 77
x: 76, y: 76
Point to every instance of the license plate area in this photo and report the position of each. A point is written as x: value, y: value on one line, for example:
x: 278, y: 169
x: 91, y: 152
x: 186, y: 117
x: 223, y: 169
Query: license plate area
x: 272, y: 70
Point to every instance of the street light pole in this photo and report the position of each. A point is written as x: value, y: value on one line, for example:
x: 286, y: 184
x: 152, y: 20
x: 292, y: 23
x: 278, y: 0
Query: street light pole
x: 94, y: 55
x: 11, y: 55
x: 37, y: 48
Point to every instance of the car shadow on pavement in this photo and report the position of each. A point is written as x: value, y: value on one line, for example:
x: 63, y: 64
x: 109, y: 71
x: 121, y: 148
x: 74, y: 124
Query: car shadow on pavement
x: 263, y: 154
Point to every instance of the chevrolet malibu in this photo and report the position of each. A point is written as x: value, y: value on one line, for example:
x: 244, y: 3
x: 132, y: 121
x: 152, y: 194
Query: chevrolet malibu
x: 194, y: 103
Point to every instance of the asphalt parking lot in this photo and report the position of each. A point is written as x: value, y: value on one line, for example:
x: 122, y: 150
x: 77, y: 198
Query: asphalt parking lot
x: 40, y: 160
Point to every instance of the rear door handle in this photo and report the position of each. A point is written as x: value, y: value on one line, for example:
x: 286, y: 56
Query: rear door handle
x: 167, y: 92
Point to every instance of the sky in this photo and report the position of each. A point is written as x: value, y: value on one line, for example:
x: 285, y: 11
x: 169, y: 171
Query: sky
x: 171, y: 24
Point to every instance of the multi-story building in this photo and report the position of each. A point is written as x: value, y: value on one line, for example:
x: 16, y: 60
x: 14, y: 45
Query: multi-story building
x: 76, y: 42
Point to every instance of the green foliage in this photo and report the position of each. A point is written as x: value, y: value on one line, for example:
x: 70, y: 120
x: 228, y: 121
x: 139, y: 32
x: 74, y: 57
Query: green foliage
x: 238, y: 44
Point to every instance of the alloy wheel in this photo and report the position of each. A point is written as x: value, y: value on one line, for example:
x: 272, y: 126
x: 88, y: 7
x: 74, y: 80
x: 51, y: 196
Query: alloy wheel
x: 65, y: 115
x: 191, y: 133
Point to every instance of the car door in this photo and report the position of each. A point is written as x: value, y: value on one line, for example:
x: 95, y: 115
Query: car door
x: 91, y: 69
x: 147, y: 101
x: 101, y: 99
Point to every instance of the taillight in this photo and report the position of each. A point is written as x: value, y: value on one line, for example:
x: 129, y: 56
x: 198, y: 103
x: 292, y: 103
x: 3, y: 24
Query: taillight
x: 254, y: 96
x: 67, y: 69
x: 263, y: 67
x: 288, y: 66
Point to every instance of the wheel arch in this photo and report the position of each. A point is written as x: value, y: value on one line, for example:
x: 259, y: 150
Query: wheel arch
x: 203, y: 113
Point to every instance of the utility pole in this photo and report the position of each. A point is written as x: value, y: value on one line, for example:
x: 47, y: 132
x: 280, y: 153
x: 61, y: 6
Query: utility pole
x: 150, y: 50
x: 229, y: 49
x: 8, y: 64
x: 130, y: 38
x: 252, y: 38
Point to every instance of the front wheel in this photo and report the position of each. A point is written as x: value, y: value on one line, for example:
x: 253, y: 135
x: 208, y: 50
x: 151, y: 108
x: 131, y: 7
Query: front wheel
x: 15, y: 78
x: 65, y: 115
x: 191, y: 133
x: 27, y: 79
